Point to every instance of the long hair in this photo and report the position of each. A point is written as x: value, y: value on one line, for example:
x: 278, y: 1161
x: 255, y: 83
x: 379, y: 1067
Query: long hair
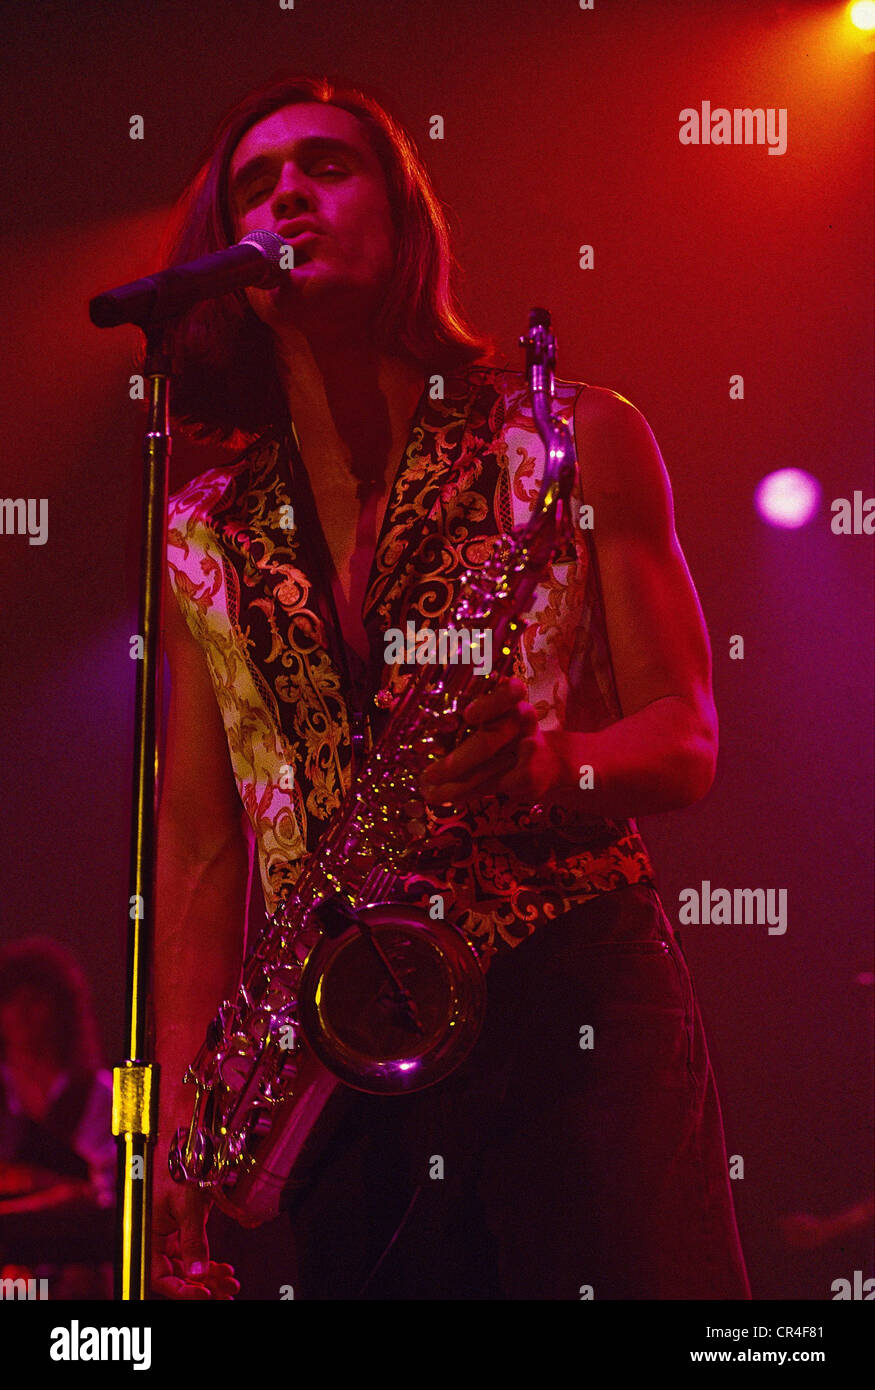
x: 225, y: 381
x: 41, y: 963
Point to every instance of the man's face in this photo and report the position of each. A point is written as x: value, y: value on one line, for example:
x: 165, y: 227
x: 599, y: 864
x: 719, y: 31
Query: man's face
x: 308, y: 173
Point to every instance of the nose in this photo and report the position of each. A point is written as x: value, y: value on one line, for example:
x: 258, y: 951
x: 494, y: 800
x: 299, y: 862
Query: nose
x: 292, y: 192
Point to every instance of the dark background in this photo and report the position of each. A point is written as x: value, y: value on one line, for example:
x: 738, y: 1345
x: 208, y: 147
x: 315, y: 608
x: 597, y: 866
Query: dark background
x: 561, y: 128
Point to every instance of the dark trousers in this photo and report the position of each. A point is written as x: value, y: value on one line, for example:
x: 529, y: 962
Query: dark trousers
x: 543, y: 1169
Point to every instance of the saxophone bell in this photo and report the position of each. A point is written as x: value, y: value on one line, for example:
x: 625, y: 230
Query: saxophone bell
x: 390, y: 1000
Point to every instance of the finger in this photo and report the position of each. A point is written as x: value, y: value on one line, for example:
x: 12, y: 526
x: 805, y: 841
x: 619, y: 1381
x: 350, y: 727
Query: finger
x: 218, y: 1281
x: 519, y: 781
x: 219, y: 1285
x: 226, y: 1290
x: 222, y: 1276
x: 484, y: 780
x: 505, y: 693
x: 193, y: 1246
x: 171, y: 1286
x: 167, y: 1281
x: 476, y: 750
x: 524, y: 713
x: 217, y: 1277
x: 473, y: 752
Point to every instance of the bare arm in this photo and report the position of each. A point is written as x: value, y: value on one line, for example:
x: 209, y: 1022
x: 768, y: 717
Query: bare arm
x: 202, y: 878
x: 661, y: 755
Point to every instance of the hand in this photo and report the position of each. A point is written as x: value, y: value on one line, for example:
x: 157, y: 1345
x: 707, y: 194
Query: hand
x: 506, y: 753
x: 181, y: 1264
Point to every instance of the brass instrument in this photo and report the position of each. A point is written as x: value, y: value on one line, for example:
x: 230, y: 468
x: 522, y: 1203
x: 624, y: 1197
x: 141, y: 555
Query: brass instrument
x: 347, y: 985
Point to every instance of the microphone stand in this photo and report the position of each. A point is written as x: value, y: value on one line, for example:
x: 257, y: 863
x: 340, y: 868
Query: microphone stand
x: 135, y: 1080
x: 259, y: 259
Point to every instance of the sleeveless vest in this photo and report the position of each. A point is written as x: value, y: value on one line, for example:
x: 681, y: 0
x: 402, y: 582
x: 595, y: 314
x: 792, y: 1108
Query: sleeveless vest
x: 245, y: 568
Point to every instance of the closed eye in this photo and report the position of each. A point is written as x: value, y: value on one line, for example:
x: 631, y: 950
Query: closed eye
x: 320, y: 168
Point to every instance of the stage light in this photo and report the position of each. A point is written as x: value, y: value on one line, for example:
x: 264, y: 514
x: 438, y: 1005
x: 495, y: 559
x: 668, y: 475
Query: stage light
x: 788, y: 497
x: 862, y: 15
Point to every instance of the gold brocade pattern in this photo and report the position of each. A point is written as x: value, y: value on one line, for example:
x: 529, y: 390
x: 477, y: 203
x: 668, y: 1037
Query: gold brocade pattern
x: 471, y: 471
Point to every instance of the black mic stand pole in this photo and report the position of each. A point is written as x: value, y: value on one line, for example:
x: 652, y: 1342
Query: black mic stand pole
x: 135, y: 1081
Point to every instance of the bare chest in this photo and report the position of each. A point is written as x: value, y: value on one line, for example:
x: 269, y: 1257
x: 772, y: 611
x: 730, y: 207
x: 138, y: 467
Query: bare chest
x: 351, y: 526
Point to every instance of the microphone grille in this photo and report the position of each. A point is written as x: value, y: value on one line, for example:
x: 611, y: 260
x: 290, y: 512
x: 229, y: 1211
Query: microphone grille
x: 270, y: 245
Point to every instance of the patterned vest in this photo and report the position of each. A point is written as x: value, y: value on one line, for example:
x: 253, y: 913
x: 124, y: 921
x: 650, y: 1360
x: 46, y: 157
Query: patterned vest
x: 244, y: 570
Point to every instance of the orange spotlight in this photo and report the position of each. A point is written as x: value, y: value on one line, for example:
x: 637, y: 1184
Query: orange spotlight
x: 862, y: 15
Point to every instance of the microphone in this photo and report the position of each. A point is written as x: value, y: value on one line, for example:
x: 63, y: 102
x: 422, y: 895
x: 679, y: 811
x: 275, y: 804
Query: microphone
x: 253, y: 261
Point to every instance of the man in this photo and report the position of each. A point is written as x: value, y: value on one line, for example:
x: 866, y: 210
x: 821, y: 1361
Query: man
x: 580, y: 1146
x: 57, y: 1153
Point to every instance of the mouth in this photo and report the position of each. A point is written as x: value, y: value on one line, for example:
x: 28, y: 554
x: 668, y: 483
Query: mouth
x: 300, y: 242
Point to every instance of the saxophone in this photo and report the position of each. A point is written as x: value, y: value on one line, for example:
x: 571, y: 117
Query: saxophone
x: 347, y: 984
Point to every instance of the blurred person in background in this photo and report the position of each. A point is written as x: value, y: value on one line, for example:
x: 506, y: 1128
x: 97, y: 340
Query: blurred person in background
x: 57, y: 1152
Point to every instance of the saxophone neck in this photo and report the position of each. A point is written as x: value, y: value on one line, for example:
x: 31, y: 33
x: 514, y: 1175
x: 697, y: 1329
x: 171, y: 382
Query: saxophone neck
x: 551, y: 510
